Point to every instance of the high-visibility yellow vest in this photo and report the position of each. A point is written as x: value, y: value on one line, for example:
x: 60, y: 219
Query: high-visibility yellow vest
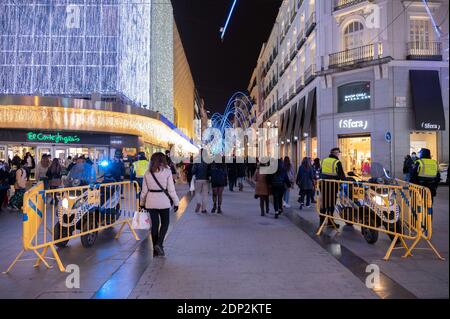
x: 140, y: 167
x: 329, y: 166
x: 428, y: 168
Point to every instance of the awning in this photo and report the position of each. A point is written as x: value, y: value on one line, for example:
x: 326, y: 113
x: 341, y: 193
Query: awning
x: 427, y: 100
x: 292, y: 118
x: 299, y: 119
x: 285, y: 125
x: 309, y: 110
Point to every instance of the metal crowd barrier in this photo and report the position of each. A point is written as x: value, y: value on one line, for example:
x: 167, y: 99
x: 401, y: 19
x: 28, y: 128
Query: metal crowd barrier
x: 53, y: 217
x: 402, y: 211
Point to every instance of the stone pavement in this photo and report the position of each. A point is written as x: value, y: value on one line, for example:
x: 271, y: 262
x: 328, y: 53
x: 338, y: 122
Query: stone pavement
x: 243, y: 255
x: 423, y: 275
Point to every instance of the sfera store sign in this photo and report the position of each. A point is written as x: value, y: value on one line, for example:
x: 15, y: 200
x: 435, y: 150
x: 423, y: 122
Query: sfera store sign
x: 56, y: 138
x: 350, y: 123
x: 430, y: 126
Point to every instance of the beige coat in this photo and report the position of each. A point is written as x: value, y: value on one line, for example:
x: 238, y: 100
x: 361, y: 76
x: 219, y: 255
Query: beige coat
x: 158, y: 200
x: 21, y: 179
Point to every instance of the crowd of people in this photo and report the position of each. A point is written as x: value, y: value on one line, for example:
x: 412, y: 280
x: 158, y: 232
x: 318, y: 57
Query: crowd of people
x: 157, y: 178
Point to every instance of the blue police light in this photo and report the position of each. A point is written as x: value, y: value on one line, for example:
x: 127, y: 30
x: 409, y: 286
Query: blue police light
x: 104, y: 163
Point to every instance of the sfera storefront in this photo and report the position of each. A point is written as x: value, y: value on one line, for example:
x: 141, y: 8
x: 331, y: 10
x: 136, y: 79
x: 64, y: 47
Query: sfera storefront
x: 357, y: 115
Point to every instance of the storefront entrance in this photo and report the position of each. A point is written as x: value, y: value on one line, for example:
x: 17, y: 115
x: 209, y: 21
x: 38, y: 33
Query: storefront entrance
x: 420, y: 140
x: 356, y: 153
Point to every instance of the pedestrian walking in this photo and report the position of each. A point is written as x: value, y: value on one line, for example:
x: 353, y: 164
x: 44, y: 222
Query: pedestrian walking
x: 305, y: 182
x: 4, y: 183
x: 188, y: 170
x: 41, y: 170
x: 317, y: 168
x: 331, y: 170
x: 116, y: 169
x: 241, y: 169
x: 28, y: 164
x: 54, y: 174
x: 157, y: 197
x: 262, y: 190
x: 408, y: 165
x: 279, y: 182
x: 20, y: 184
x: 291, y: 176
x: 200, y: 171
x: 232, y: 174
x: 172, y: 167
x: 218, y: 175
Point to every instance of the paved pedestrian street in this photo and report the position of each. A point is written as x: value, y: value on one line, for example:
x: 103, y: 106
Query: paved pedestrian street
x: 235, y: 255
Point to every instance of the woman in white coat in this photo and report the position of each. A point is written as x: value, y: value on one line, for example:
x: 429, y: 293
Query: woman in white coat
x: 157, y: 196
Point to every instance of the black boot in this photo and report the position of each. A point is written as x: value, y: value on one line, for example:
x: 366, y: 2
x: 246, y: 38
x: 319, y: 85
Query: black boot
x: 219, y: 211
x: 213, y: 210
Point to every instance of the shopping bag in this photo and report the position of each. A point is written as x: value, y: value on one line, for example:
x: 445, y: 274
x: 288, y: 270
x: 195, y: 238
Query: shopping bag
x: 192, y: 187
x: 141, y: 220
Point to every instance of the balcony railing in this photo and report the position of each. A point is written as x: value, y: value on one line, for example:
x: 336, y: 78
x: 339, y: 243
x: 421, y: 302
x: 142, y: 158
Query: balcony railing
x: 310, y: 73
x: 299, y: 84
x: 293, y: 52
x: 421, y: 50
x: 341, y: 4
x: 310, y: 24
x: 300, y: 40
x: 353, y: 56
x: 285, y: 98
x: 291, y: 92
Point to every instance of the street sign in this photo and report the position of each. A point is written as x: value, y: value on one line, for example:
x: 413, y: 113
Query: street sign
x: 388, y: 137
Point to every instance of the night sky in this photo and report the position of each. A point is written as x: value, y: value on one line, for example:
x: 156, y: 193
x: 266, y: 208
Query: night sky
x: 222, y: 68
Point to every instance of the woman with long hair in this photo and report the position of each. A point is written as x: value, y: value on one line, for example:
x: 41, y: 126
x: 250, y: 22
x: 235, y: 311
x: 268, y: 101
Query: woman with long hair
x: 157, y: 196
x: 305, y: 181
x: 54, y: 174
x: 291, y: 175
x: 317, y: 169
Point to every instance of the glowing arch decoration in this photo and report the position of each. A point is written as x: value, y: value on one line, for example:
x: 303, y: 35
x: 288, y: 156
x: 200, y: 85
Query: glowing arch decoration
x: 236, y: 115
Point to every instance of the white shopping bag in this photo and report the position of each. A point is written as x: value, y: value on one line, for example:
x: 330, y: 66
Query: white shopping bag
x: 141, y: 220
x: 192, y: 187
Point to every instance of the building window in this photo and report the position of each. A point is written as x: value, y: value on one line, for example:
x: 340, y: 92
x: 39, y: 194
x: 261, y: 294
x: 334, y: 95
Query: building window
x: 353, y: 35
x: 419, y: 30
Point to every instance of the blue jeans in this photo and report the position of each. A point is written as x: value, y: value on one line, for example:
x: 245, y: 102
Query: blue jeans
x: 286, y: 195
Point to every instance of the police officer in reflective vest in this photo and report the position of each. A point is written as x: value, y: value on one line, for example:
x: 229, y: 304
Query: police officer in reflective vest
x: 426, y: 171
x: 139, y: 168
x: 331, y: 169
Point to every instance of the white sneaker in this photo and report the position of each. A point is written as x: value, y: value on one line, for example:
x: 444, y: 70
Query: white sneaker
x: 284, y: 204
x: 309, y: 206
x: 287, y: 206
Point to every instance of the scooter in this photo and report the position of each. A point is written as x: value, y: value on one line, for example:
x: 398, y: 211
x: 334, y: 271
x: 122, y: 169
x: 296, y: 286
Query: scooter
x: 369, y: 205
x: 97, y: 206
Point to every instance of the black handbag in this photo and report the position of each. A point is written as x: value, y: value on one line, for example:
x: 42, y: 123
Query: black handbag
x: 162, y: 188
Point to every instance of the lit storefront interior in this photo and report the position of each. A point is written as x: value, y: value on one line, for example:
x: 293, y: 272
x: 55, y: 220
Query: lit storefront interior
x: 356, y: 151
x: 420, y: 140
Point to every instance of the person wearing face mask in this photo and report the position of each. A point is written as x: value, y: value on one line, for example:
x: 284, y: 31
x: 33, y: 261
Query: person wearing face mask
x: 332, y: 169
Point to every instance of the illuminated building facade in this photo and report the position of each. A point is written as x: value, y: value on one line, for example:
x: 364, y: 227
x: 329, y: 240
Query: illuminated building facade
x: 79, y: 60
x: 368, y: 76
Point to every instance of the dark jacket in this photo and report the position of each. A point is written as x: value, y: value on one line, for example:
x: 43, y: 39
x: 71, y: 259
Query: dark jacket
x: 218, y: 174
x: 4, y: 180
x: 241, y: 169
x: 232, y: 170
x: 408, y: 165
x: 200, y: 170
x: 305, y: 178
x: 280, y: 178
x: 339, y: 168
